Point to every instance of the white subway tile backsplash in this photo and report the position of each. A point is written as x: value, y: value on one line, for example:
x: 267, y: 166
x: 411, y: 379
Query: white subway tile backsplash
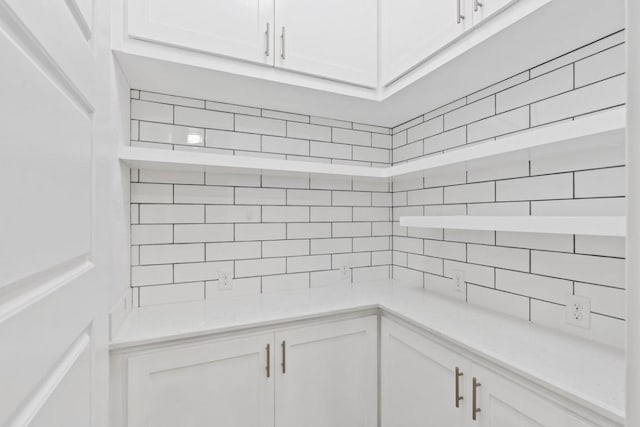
x: 351, y: 229
x: 184, y: 233
x: 605, y: 207
x: 351, y: 198
x: 197, y: 271
x: 331, y: 246
x: 409, y: 151
x: 381, y: 243
x: 559, y: 186
x: 370, y: 154
x: 308, y: 131
x: 539, y: 287
x: 203, y: 194
x: 500, y: 124
x: 280, y: 248
x: 260, y: 267
x: 604, y: 300
x: 611, y: 246
x: 232, y: 251
x: 371, y: 214
x: 470, y: 193
x: 285, y: 116
x: 151, y: 275
x: 548, y: 242
x: 477, y: 274
x: 597, y: 96
x: 166, y: 254
x: 232, y: 140
x: 260, y: 196
x: 151, y: 234
x: 236, y: 213
x: 502, y: 302
x: 600, y: 66
x: 497, y: 256
x: 426, y: 129
x: 170, y: 99
x: 381, y: 141
x: 308, y: 197
x: 260, y: 125
x: 151, y: 111
x: 171, y: 214
x: 285, y: 282
x: 170, y: 134
x: 245, y: 286
x: 330, y: 150
x: 308, y: 263
x: 233, y: 179
x: 260, y: 232
x: 151, y: 193
x: 425, y: 264
x: 428, y: 196
x: 499, y: 87
x: 331, y: 214
x: 232, y: 108
x: 499, y: 209
x: 537, y: 88
x: 601, y: 183
x: 348, y: 136
x: 275, y: 144
x: 165, y: 294
x: 445, y: 141
x: 202, y: 118
x: 308, y: 231
x: 447, y: 250
x: 470, y: 113
x: 285, y: 214
x: 584, y: 268
x: 171, y: 177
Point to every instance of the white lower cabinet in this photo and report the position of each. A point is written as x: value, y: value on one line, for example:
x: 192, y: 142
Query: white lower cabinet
x: 503, y: 403
x: 223, y: 383
x: 419, y: 382
x: 327, y: 375
x: 322, y: 375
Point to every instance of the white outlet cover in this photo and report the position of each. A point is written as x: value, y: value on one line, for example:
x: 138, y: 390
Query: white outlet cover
x: 225, y: 281
x: 345, y: 272
x: 578, y: 311
x: 458, y: 281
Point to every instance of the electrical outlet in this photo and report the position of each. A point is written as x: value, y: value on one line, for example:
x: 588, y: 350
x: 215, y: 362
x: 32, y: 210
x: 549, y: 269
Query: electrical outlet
x: 225, y: 281
x: 345, y: 272
x: 578, y: 311
x: 458, y: 281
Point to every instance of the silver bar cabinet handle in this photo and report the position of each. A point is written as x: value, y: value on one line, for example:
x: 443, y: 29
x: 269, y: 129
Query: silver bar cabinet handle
x: 460, y: 15
x: 268, y: 360
x: 266, y: 41
x: 282, y: 35
x: 474, y: 404
x: 458, y: 397
x: 476, y: 5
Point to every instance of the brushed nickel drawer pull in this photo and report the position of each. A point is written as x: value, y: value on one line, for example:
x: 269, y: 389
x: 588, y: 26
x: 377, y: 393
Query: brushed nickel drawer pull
x: 474, y: 408
x: 458, y: 397
x: 284, y: 358
x: 268, y: 360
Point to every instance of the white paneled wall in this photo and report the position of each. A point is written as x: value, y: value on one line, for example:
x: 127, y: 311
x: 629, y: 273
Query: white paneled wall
x: 523, y: 275
x: 275, y: 233
x: 269, y: 233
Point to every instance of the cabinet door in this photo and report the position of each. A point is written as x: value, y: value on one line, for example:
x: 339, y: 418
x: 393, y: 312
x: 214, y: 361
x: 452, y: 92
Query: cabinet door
x: 503, y: 403
x: 221, y: 383
x: 327, y: 375
x: 235, y: 28
x: 413, y: 30
x: 419, y: 381
x: 482, y: 9
x: 335, y: 39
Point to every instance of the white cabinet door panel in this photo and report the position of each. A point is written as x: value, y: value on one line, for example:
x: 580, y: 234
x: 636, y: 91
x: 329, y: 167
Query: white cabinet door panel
x: 327, y: 375
x: 413, y: 30
x: 335, y: 39
x: 503, y: 403
x: 482, y: 9
x: 235, y: 28
x: 221, y: 383
x: 419, y: 381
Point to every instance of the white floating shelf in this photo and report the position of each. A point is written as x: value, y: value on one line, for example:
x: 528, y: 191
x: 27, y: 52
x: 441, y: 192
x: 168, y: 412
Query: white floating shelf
x: 597, y: 131
x: 584, y: 225
x: 153, y: 158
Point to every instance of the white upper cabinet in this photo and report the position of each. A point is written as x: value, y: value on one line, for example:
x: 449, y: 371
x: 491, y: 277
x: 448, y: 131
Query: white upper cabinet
x: 239, y: 29
x: 484, y: 8
x: 335, y: 39
x: 413, y: 30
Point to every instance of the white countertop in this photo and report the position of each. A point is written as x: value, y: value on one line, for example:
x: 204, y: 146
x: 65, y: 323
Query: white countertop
x: 590, y: 374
